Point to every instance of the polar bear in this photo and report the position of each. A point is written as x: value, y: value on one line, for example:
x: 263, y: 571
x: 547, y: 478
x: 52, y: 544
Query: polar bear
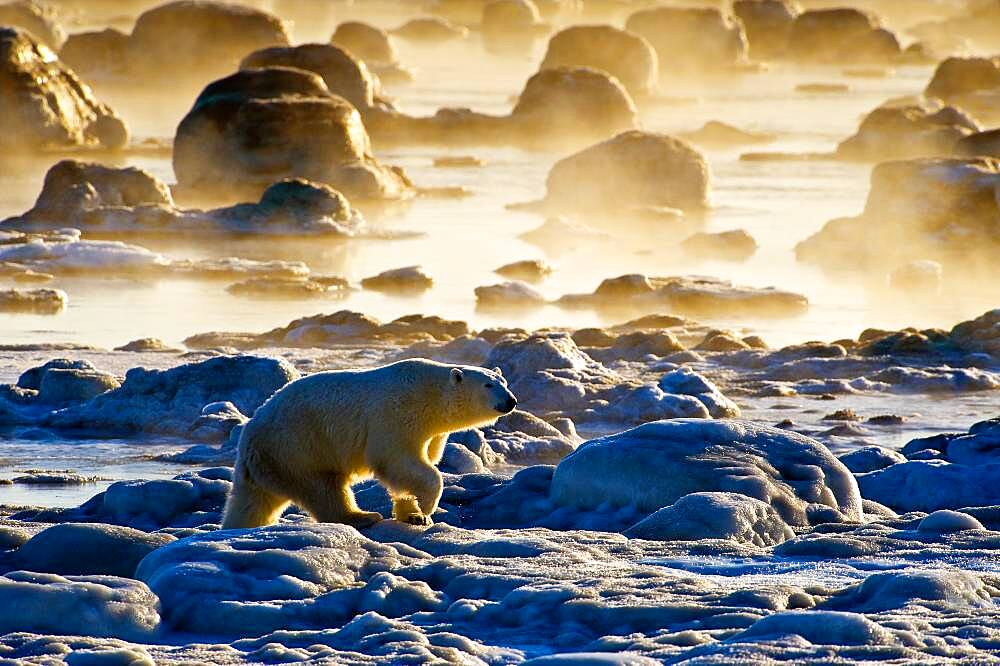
x: 317, y: 435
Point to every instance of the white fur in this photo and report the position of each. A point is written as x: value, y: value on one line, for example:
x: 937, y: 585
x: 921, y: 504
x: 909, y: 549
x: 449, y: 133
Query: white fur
x: 318, y: 435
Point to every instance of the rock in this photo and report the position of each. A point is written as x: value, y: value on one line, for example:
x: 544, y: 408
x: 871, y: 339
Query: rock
x: 654, y: 465
x: 871, y: 458
x: 651, y: 403
x: 289, y: 287
x: 207, y: 39
x: 40, y: 20
x: 626, y: 56
x: 146, y: 345
x: 820, y: 628
x: 510, y: 25
x: 944, y: 589
x: 406, y: 279
x: 685, y: 381
x: 370, y: 44
x: 574, y: 101
x: 839, y: 35
x: 593, y: 337
x: 767, y: 24
x: 690, y: 39
x: 82, y: 605
x: 62, y: 386
x: 929, y: 485
x: 715, y: 515
x: 632, y: 170
x: 923, y: 276
x: 722, y: 135
x: 942, y: 209
x: 343, y: 74
x: 513, y: 294
x: 261, y: 125
x: 97, y: 55
x: 985, y: 143
x: 289, y: 207
x: 637, y: 344
x: 944, y: 521
x: 429, y: 30
x: 906, y: 131
x: 50, y: 107
x: 168, y: 401
x: 33, y: 301
x: 88, y: 549
x: 529, y: 270
x: 460, y: 460
x: 735, y: 245
x: 969, y: 82
x: 520, y: 438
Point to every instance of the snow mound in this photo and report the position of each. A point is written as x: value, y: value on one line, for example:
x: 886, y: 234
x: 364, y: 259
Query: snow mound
x: 821, y: 628
x: 929, y: 485
x: 945, y: 520
x: 88, y: 549
x: 939, y: 589
x: 654, y: 465
x: 250, y: 582
x: 685, y: 381
x: 83, y: 605
x: 715, y: 516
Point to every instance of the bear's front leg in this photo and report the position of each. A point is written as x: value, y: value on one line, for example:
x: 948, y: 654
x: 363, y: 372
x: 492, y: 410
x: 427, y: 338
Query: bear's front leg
x: 416, y: 489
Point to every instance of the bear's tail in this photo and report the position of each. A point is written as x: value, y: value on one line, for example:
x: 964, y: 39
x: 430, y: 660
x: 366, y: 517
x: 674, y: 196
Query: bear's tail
x: 249, y: 505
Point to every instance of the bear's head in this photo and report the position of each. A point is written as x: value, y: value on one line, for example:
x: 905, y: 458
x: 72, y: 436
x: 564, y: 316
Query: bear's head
x: 480, y: 395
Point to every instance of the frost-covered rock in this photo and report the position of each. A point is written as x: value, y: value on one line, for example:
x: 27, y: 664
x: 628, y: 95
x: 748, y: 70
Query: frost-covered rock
x: 528, y: 270
x: 256, y: 126
x: 514, y: 294
x: 405, y: 279
x: 625, y: 55
x: 920, y: 276
x: 929, y: 485
x: 651, y: 403
x: 87, y: 549
x: 715, y: 515
x: 521, y: 438
x: 44, y: 603
x: 904, y: 131
x: 735, y: 245
x: 945, y: 520
x: 685, y: 381
x: 48, y: 106
x: 656, y: 464
x: 946, y: 589
x: 871, y: 458
x: 33, y: 301
x: 691, y: 39
x: 60, y: 386
x: 169, y: 401
x: 631, y: 171
x: 820, y: 628
x: 178, y: 40
x: 249, y: 582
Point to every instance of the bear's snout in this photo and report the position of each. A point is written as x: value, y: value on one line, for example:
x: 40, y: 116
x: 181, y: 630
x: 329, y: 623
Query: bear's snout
x: 507, y: 405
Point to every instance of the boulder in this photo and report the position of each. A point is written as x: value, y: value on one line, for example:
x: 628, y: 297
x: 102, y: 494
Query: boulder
x: 970, y: 82
x: 200, y: 38
x: 370, y: 44
x: 840, y: 35
x: 406, y: 279
x: 62, y: 386
x: 49, y: 107
x: 633, y: 170
x: 626, y: 56
x: 431, y: 30
x: 87, y: 549
x: 508, y: 25
x: 512, y: 294
x: 33, y: 301
x: 98, y: 54
x: 38, y: 19
x: 261, y: 125
x: 691, y: 39
x: 904, y: 131
x: 767, y: 24
x: 986, y: 143
x: 654, y: 465
x: 735, y: 245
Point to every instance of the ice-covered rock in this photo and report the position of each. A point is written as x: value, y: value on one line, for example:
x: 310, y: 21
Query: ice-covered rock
x: 63, y: 386
x: 86, y: 549
x: 367, y: 42
x: 187, y: 38
x: 430, y: 30
x: 33, y: 301
x: 633, y: 170
x: 146, y: 345
x: 654, y: 465
x: 169, y: 401
x: 249, y: 582
x: 651, y: 403
x: 685, y: 381
x: 718, y: 134
x: 625, y: 55
x: 942, y: 589
x: 767, y: 24
x: 49, y: 107
x: 691, y: 39
x: 97, y: 55
x: 971, y: 83
x: 520, y: 438
x: 405, y: 279
x: 528, y: 270
x: 45, y: 603
x: 715, y: 515
x: 41, y: 20
x: 820, y: 628
x: 871, y: 458
x: 841, y: 34
x: 735, y: 245
x: 510, y: 26
x: 929, y: 485
x: 920, y: 276
x: 256, y: 126
x: 945, y: 520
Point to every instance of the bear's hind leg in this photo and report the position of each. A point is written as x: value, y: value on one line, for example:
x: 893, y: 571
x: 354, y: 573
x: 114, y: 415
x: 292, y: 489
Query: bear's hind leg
x: 249, y: 505
x: 329, y: 499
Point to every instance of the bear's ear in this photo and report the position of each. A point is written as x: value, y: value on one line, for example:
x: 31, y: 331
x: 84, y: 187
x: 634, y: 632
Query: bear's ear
x: 456, y: 375
x: 498, y: 371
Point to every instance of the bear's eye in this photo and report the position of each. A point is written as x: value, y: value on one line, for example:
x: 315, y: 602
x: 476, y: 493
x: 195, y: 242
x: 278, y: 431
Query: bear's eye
x: 488, y: 385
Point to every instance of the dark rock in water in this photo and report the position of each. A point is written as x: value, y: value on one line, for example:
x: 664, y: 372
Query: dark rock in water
x: 691, y: 39
x: 633, y: 170
x: 430, y: 29
x: 343, y: 74
x: 33, y: 301
x: 370, y: 44
x: 38, y: 19
x: 48, y: 106
x: 97, y: 55
x: 178, y: 40
x: 906, y: 131
x: 260, y: 125
x: 626, y: 56
x: 86, y: 549
x: 169, y: 401
x: 841, y: 35
x: 767, y: 24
